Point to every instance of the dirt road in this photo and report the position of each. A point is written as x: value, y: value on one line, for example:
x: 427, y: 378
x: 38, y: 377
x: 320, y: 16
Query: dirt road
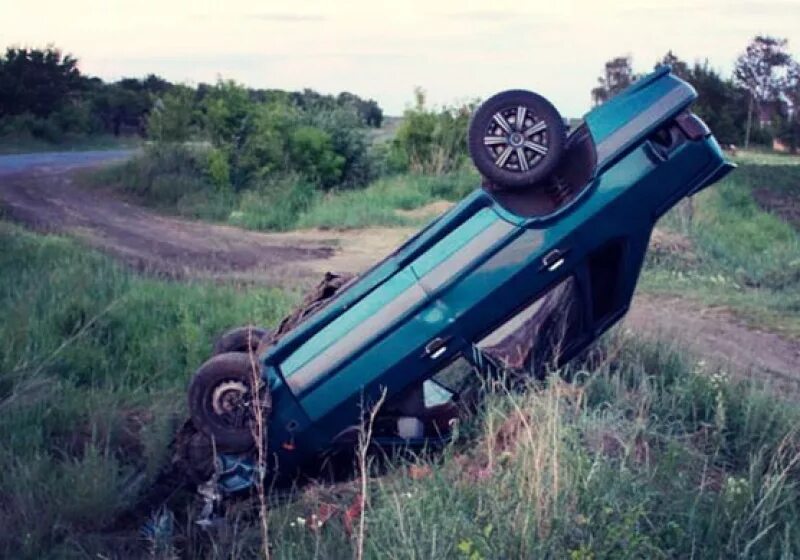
x: 40, y: 192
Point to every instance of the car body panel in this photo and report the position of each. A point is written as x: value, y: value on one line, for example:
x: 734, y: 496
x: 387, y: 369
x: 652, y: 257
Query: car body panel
x: 478, y: 264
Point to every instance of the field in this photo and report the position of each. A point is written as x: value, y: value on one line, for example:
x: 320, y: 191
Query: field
x: 653, y: 449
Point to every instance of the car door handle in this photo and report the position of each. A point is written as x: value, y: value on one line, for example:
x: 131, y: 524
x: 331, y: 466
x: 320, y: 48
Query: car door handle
x: 436, y: 347
x: 553, y: 260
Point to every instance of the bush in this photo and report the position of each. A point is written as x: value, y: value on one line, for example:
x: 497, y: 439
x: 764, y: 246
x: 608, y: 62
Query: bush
x: 176, y: 177
x: 274, y: 205
x: 429, y: 141
x: 311, y: 153
x: 171, y: 118
x: 350, y: 142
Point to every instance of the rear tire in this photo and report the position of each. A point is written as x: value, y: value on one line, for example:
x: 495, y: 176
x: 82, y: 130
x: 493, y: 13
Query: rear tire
x: 516, y: 139
x: 221, y: 400
x: 241, y: 339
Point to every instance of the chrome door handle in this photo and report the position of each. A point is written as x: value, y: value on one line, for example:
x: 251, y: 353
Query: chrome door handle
x: 436, y: 347
x: 553, y: 260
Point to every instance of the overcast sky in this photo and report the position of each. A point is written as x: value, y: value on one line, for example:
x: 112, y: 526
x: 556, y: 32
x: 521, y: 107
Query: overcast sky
x: 454, y: 49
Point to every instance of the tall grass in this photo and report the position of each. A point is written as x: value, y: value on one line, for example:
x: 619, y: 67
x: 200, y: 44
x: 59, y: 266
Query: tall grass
x: 646, y: 455
x: 172, y: 181
x: 93, y: 367
x: 290, y: 205
x: 377, y: 204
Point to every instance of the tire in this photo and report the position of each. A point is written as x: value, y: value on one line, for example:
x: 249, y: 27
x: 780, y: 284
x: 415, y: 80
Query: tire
x: 240, y: 339
x: 515, y: 155
x: 220, y: 401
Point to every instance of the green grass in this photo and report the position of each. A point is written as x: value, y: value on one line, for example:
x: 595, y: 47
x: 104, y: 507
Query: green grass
x: 646, y: 456
x: 169, y: 180
x: 744, y: 257
x: 765, y: 157
x: 93, y: 367
x: 290, y: 205
x: 377, y: 204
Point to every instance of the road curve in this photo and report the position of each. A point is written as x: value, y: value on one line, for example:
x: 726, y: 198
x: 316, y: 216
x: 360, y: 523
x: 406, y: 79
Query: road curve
x: 40, y: 191
x: 58, y: 161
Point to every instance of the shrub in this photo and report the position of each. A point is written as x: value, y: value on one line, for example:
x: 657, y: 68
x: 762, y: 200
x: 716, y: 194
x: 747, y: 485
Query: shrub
x: 430, y: 141
x: 171, y: 118
x: 275, y: 204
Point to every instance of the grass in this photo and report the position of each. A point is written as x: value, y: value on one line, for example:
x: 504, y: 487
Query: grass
x: 169, y: 181
x: 741, y: 256
x: 645, y: 456
x: 292, y: 205
x: 93, y: 368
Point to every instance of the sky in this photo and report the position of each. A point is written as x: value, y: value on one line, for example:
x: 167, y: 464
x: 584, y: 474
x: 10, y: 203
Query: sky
x: 456, y: 50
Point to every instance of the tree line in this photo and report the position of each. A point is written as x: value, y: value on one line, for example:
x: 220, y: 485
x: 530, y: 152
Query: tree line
x: 758, y: 103
x: 44, y: 95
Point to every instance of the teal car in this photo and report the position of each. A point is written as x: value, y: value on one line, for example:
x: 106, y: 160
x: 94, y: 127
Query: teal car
x: 558, y: 213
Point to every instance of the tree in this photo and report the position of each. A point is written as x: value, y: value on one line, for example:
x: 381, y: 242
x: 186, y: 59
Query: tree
x: 759, y: 71
x: 679, y: 67
x: 170, y: 120
x: 789, y: 131
x: 122, y: 104
x: 618, y: 75
x: 37, y: 81
x: 721, y: 104
x: 429, y: 140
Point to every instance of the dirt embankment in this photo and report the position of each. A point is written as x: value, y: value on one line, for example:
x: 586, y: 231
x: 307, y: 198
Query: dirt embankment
x: 48, y: 199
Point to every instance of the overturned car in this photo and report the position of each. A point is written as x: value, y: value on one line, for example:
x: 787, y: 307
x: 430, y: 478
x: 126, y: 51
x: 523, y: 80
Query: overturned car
x: 546, y: 253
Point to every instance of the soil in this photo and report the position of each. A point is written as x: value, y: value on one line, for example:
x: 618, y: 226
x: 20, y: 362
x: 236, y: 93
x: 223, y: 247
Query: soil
x: 719, y: 337
x: 50, y: 201
x: 47, y: 198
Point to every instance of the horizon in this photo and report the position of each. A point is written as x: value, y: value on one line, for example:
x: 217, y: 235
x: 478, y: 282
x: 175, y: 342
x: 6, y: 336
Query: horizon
x: 453, y: 51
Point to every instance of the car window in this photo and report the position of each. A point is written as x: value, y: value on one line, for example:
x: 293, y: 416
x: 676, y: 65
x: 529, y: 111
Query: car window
x: 536, y: 334
x: 456, y: 376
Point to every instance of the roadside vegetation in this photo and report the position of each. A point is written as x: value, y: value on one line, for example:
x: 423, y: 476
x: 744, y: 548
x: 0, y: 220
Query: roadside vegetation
x: 93, y: 367
x: 46, y: 102
x: 646, y: 453
x: 278, y: 165
x: 732, y: 252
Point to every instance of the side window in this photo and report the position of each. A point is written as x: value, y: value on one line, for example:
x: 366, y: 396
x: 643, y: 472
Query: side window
x: 537, y: 335
x: 457, y: 376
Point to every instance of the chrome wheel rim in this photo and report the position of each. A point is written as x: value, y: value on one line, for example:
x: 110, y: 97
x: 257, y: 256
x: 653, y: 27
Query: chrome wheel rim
x: 230, y: 403
x: 516, y: 139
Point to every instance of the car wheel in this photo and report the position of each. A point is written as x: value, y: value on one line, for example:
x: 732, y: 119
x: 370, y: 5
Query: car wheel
x: 222, y: 403
x: 240, y: 339
x: 516, y: 138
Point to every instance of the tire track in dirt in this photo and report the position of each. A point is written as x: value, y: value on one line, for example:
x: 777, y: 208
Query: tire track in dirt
x: 48, y: 199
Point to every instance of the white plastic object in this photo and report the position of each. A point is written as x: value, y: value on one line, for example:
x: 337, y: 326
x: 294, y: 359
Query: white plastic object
x: 410, y: 427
